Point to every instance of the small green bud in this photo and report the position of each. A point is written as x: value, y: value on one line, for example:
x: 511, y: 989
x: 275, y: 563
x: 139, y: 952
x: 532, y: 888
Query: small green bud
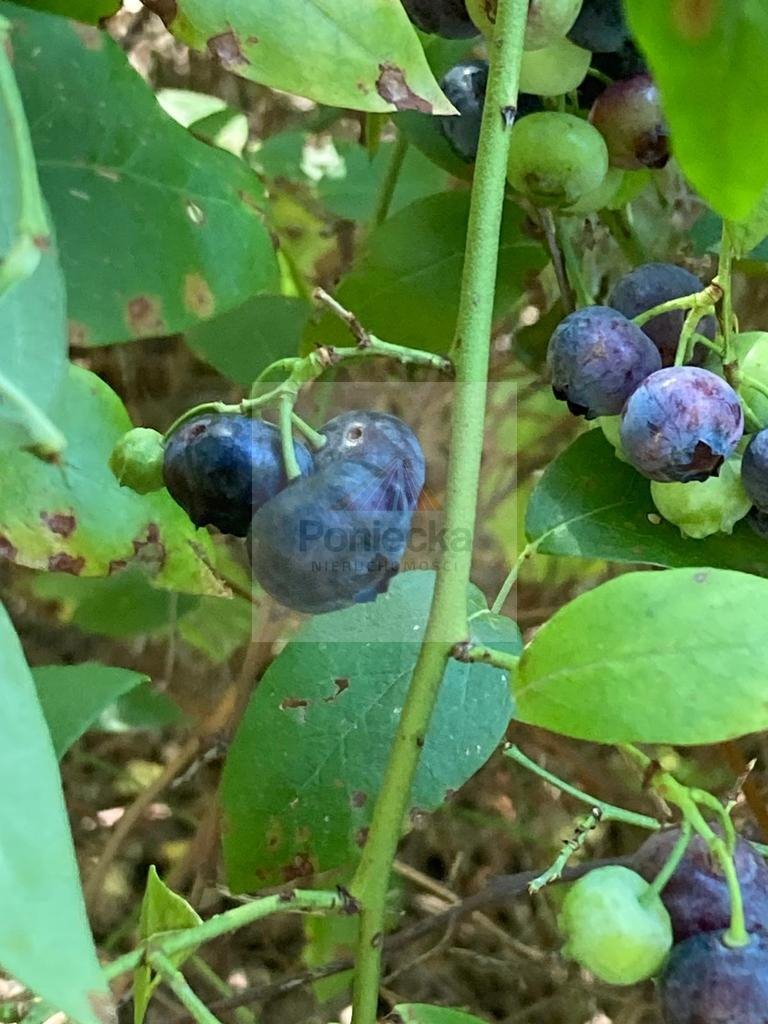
x: 137, y: 460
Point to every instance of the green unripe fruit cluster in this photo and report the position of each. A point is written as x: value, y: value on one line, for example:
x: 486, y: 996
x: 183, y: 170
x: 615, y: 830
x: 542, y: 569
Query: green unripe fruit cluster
x: 701, y: 508
x: 616, y: 926
x: 548, y: 20
x: 137, y: 460
x: 556, y: 159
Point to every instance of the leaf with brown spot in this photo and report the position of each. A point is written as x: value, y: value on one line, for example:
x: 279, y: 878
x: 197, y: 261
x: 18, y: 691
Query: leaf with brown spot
x: 157, y: 230
x: 318, y: 770
x: 295, y: 45
x: 76, y: 518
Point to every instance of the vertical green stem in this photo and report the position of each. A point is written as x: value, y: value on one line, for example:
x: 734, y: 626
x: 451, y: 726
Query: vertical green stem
x: 447, y: 623
x: 391, y: 178
x: 178, y: 983
x: 677, y: 854
x: 724, y: 272
x: 292, y: 470
x: 46, y: 438
x: 32, y: 232
x: 572, y: 262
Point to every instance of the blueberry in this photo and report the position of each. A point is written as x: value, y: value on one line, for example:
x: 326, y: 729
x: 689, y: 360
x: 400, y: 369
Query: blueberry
x: 555, y: 159
x: 465, y: 84
x: 137, y: 460
x: 696, y: 896
x: 759, y: 522
x: 651, y: 284
x: 702, y: 508
x: 547, y: 20
x: 597, y: 358
x: 754, y: 470
x: 600, y: 26
x: 706, y: 982
x: 332, y: 539
x: 629, y: 117
x: 380, y: 440
x: 447, y: 18
x: 681, y: 424
x: 615, y: 926
x: 221, y: 469
x: 624, y: 63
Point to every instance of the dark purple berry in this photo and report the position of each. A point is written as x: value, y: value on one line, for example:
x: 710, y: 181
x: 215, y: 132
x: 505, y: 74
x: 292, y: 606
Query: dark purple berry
x: 447, y: 18
x: 332, y: 539
x: 681, y: 424
x: 707, y: 982
x: 222, y: 469
x: 600, y: 26
x: 597, y: 358
x: 759, y: 522
x: 629, y: 117
x: 380, y: 440
x: 696, y: 896
x: 754, y: 470
x: 651, y: 284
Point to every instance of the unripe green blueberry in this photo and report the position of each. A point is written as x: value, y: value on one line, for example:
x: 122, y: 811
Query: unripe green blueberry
x: 548, y: 20
x: 752, y: 347
x: 701, y: 508
x: 556, y: 159
x: 616, y: 190
x: 137, y: 460
x: 557, y: 69
x: 615, y: 926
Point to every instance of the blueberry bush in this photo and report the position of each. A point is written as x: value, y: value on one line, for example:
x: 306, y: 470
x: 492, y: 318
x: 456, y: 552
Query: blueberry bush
x: 384, y: 511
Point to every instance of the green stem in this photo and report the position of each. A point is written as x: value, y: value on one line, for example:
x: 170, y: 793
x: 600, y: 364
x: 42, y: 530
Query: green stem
x: 447, y: 624
x: 703, y: 301
x: 305, y: 900
x: 623, y: 236
x: 32, y: 230
x: 486, y: 656
x: 47, y: 440
x: 291, y: 463
x: 572, y: 262
x: 686, y: 334
x: 176, y: 981
x: 608, y: 812
x: 315, y: 438
x: 242, y: 1014
x: 570, y: 846
x: 547, y: 221
x: 391, y: 178
x: 501, y: 598
x: 724, y: 272
x: 670, y: 865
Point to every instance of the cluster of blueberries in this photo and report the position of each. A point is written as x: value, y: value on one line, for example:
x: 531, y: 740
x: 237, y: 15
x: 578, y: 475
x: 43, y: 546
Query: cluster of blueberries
x: 618, y: 926
x: 678, y: 424
x: 332, y: 537
x: 557, y: 158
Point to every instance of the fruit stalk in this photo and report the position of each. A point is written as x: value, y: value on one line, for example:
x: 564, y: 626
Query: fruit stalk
x: 447, y: 623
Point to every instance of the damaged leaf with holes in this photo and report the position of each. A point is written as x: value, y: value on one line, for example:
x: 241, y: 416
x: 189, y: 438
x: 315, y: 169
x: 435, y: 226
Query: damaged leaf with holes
x: 76, y: 518
x: 305, y: 767
x: 157, y: 230
x: 297, y: 45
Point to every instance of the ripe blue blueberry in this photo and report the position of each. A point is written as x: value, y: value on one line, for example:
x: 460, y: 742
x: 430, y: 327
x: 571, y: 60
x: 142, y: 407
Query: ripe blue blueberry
x: 651, y: 284
x: 332, y: 539
x: 600, y: 26
x: 382, y: 441
x: 759, y: 522
x: 597, y: 358
x: 696, y: 896
x: 221, y: 469
x: 681, y: 424
x: 707, y: 982
x: 447, y: 18
x: 754, y: 470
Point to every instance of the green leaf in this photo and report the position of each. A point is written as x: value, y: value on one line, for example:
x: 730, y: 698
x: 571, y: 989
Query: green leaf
x: 420, y: 1013
x: 295, y: 46
x: 303, y: 772
x: 73, y: 696
x: 674, y: 657
x: 45, y: 941
x: 218, y: 627
x: 76, y: 518
x: 157, y: 230
x: 89, y: 11
x: 589, y: 503
x: 406, y: 286
x: 242, y: 342
x: 140, y: 709
x: 708, y: 60
x: 162, y: 910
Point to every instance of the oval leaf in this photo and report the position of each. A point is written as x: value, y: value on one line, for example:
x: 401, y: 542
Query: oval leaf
x: 76, y: 518
x: 589, y: 503
x: 303, y: 772
x: 45, y: 941
x: 157, y: 230
x: 708, y: 59
x: 675, y: 657
x: 420, y: 1013
x: 295, y: 45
